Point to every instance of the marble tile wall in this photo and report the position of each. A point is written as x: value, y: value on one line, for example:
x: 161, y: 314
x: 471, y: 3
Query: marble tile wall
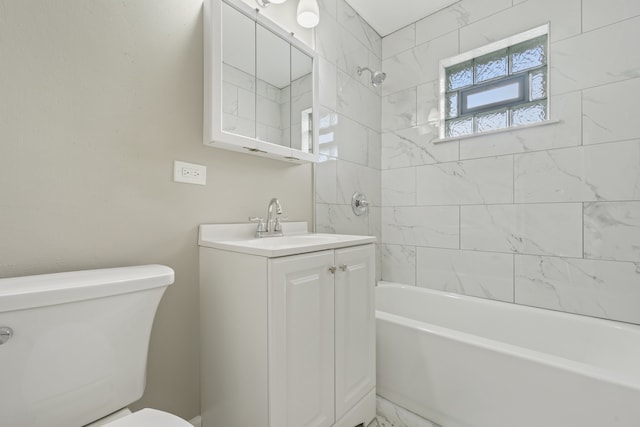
x: 546, y: 216
x: 350, y: 121
x: 254, y: 107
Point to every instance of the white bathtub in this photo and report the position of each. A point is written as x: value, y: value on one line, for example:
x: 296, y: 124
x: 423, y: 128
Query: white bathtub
x: 469, y: 362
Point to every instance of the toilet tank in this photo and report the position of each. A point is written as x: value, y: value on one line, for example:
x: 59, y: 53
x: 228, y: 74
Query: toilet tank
x: 79, y: 343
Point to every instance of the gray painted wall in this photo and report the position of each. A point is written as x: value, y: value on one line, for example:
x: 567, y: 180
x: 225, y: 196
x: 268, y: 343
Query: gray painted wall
x: 96, y: 101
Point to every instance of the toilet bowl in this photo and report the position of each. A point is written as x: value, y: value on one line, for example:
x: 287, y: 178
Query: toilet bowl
x: 148, y: 418
x: 143, y: 418
x: 76, y: 344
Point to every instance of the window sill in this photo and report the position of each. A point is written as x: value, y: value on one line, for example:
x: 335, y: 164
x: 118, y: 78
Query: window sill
x: 493, y: 132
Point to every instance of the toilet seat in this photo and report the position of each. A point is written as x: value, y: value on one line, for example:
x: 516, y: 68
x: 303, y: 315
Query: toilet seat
x: 149, y: 418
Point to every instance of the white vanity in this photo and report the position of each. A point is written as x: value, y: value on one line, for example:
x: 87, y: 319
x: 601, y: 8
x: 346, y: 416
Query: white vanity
x: 287, y: 328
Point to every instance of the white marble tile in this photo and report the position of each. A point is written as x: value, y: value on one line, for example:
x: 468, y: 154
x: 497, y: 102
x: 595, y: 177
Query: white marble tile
x: 375, y: 149
x: 607, y: 289
x: 326, y: 180
x: 285, y: 117
x: 298, y: 105
x: 375, y: 63
x: 352, y: 54
x: 399, y: 187
x: 419, y: 64
x: 563, y: 15
x: 323, y: 218
x: 436, y: 226
x: 267, y: 111
x: 612, y: 230
x: 589, y: 60
x: 479, y: 274
x: 339, y: 219
x: 610, y: 111
x: 353, y: 177
x: 285, y: 94
x: 456, y: 16
x: 358, y: 102
x: 353, y: 22
x: 566, y: 133
x: 229, y: 99
x: 399, y: 41
x: 328, y: 6
x: 352, y: 139
x: 392, y: 415
x: 536, y: 229
x: 238, y: 125
x: 327, y: 33
x: 480, y: 181
x: 327, y: 83
x: 596, y: 13
x: 429, y: 104
x: 327, y: 123
x: 375, y: 229
x: 268, y: 91
x: 399, y: 110
x: 592, y: 173
x: 238, y: 78
x: 398, y: 264
x: 415, y: 147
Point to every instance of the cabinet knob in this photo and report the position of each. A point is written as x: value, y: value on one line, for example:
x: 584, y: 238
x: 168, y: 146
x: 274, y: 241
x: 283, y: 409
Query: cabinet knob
x: 332, y: 269
x: 343, y: 267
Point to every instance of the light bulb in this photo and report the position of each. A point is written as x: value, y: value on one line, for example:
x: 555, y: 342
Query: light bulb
x: 308, y: 13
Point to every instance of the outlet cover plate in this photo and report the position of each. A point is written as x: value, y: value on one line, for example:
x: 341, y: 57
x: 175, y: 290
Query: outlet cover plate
x: 189, y: 173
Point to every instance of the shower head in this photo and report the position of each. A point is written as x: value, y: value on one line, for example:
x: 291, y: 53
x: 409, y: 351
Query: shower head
x: 377, y: 77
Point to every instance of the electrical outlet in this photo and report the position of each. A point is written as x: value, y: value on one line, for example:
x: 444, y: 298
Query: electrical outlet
x: 189, y: 173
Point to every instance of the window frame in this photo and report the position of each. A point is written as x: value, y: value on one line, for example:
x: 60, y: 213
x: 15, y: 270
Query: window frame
x: 479, y: 52
x: 504, y: 81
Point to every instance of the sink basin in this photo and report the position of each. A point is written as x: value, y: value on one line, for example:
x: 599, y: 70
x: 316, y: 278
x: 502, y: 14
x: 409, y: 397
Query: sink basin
x: 240, y: 238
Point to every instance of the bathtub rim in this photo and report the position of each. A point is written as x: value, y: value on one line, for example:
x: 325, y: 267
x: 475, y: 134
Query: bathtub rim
x: 511, y: 350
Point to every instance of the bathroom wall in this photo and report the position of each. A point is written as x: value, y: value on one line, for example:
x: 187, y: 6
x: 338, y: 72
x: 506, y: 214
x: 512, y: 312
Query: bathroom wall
x: 548, y: 216
x: 349, y: 123
x: 97, y: 100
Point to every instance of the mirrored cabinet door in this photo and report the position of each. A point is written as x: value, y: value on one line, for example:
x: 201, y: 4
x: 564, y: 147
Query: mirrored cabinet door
x: 274, y: 88
x: 238, y: 73
x: 260, y: 85
x: 301, y: 101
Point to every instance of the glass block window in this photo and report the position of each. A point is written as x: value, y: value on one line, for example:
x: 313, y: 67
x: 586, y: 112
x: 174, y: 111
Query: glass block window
x: 498, y: 86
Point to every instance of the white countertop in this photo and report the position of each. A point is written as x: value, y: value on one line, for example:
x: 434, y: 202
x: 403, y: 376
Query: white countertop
x: 296, y: 240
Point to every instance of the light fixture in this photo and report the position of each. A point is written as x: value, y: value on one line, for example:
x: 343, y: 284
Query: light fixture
x: 308, y: 13
x: 266, y: 3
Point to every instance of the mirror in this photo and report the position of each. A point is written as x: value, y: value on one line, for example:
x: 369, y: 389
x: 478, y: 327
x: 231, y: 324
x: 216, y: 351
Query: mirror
x: 301, y: 100
x: 274, y: 83
x: 260, y: 85
x: 238, y: 73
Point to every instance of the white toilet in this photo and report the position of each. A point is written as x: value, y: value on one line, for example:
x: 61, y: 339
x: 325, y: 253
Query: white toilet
x: 73, y: 347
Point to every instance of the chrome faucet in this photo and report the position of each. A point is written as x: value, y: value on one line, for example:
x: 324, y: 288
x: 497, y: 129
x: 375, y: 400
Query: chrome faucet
x: 273, y: 224
x: 272, y: 228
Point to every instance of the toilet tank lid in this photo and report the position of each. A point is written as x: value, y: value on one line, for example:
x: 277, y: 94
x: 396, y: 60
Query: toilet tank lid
x: 149, y: 418
x: 19, y: 293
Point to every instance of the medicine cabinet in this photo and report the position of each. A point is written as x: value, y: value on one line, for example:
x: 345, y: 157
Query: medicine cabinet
x: 260, y: 85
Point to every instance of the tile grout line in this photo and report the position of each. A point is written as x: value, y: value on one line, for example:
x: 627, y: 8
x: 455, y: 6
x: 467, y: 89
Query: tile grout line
x: 469, y: 159
x: 486, y: 251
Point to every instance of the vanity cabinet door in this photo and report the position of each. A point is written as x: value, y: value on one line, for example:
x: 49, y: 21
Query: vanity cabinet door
x: 301, y: 340
x: 355, y: 326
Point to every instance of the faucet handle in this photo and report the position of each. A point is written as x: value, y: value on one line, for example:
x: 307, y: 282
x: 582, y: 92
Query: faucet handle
x: 278, y: 226
x: 260, y: 221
